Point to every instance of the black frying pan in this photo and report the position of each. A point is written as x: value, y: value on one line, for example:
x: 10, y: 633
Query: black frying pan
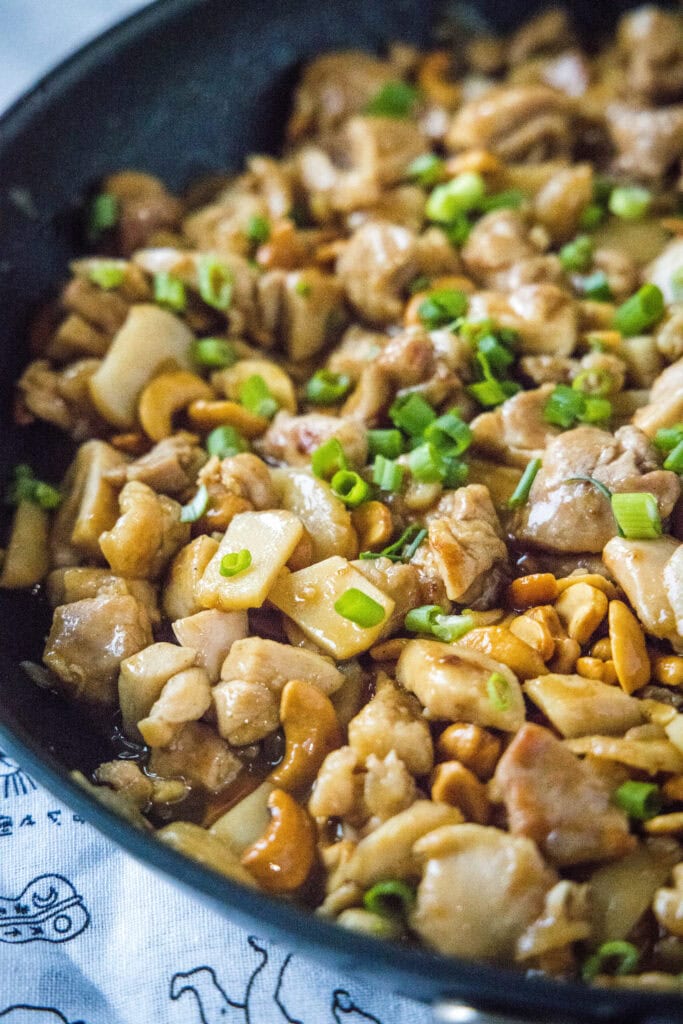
x: 185, y: 87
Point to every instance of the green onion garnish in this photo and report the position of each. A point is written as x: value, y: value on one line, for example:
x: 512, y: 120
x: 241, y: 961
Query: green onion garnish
x: 441, y: 307
x: 327, y: 388
x: 498, y: 690
x: 427, y: 170
x: 350, y: 487
x: 458, y: 196
x: 102, y: 215
x: 577, y: 255
x: 592, y: 215
x: 196, y: 508
x: 623, y: 955
x: 449, y: 434
x: 395, y: 99
x: 419, y: 284
x: 235, y: 563
x: 427, y: 463
x: 328, y: 459
x: 385, y: 442
x: 566, y: 406
x: 216, y: 281
x: 493, y: 356
x: 668, y: 438
x: 433, y: 620
x: 226, y: 441
x: 509, y: 199
x: 598, y: 382
x: 459, y: 229
x: 640, y: 800
x: 390, y: 898
x: 412, y: 413
x: 491, y: 393
x: 637, y: 515
x: 403, y: 549
x: 303, y: 288
x: 359, y: 608
x: 581, y: 479
x: 630, y: 202
x: 169, y: 291
x: 387, y: 474
x: 108, y: 275
x: 255, y: 396
x: 258, y: 229
x: 520, y: 495
x: 674, y: 461
x: 596, y: 286
x: 25, y: 487
x: 642, y: 311
x: 214, y: 353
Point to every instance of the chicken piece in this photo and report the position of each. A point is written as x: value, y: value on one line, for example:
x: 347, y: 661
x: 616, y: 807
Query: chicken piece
x: 576, y: 706
x: 223, y: 225
x: 548, y: 32
x: 466, y: 539
x: 388, y: 788
x: 147, y: 534
x: 559, y: 204
x: 516, y: 432
x: 570, y: 72
x: 89, y: 505
x: 105, y: 310
x: 88, y: 641
x: 211, y: 633
x: 544, y: 316
x: 452, y: 683
x: 246, y: 711
x: 239, y: 483
x: 145, y: 208
x: 650, y: 44
x: 393, y: 721
x: 143, y: 677
x: 338, y: 789
x: 199, y: 756
x: 185, y: 698
x: 639, y: 567
x: 325, y: 517
x: 558, y: 801
x: 333, y: 87
x: 669, y: 333
x: 668, y: 904
x: 521, y: 124
x: 273, y: 664
x: 544, y: 370
x: 673, y: 585
x: 399, y: 582
x: 566, y: 919
x: 665, y: 407
x: 620, y: 269
x: 376, y: 266
x: 561, y: 515
x: 61, y: 397
x: 480, y: 890
x: 126, y: 777
x: 170, y: 467
x: 292, y: 439
x: 403, y: 204
x: 64, y: 586
x: 648, y: 142
x: 497, y: 241
x: 358, y: 347
x: 186, y: 570
x: 303, y: 309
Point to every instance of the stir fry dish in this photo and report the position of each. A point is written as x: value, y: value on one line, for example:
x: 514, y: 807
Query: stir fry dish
x: 371, y: 549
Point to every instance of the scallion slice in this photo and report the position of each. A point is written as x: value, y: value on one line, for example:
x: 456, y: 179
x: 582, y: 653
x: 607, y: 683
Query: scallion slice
x: 640, y: 800
x: 395, y: 99
x: 169, y: 291
x: 216, y: 282
x: 327, y: 388
x: 25, y: 487
x: 637, y: 515
x: 107, y: 274
x: 592, y: 215
x: 412, y: 413
x: 460, y: 195
x: 491, y: 393
x: 449, y: 434
x: 225, y: 441
x: 258, y: 229
x: 642, y: 311
x: 630, y: 202
x: 328, y: 459
x: 620, y: 955
x: 214, y: 353
x: 359, y: 608
x: 442, y: 307
x: 668, y: 438
x: 390, y: 898
x: 498, y: 691
x: 236, y: 562
x: 255, y: 396
x: 433, y: 620
x: 350, y: 487
x: 509, y: 199
x: 427, y: 170
x: 196, y: 508
x: 674, y: 460
x: 520, y: 495
x: 427, y: 464
x: 576, y: 256
x: 596, y: 287
x: 387, y: 474
x: 403, y: 549
x: 103, y: 215
x: 388, y: 443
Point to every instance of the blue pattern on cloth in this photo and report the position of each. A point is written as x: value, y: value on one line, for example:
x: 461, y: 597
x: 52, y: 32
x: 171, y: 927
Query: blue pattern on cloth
x: 88, y: 935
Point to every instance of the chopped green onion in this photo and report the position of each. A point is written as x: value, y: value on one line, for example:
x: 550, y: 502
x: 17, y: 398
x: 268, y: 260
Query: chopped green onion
x: 388, y: 475
x: 328, y: 459
x: 577, y: 255
x: 235, y: 562
x: 359, y: 608
x: 597, y: 410
x: 385, y: 442
x: 327, y: 388
x: 258, y: 229
x: 350, y: 487
x: 581, y: 479
x: 214, y: 353
x: 498, y: 690
x: 403, y: 549
x: 566, y: 406
x: 390, y: 898
x: 668, y: 438
x: 598, y: 382
x: 302, y: 288
x: 510, y: 199
x: 419, y: 284
x: 623, y: 955
x: 630, y: 202
x: 255, y: 396
x: 449, y: 434
x: 596, y: 286
x: 520, y: 495
x: 637, y: 515
x: 196, y: 508
x: 412, y: 413
x: 642, y: 311
x: 226, y: 441
x: 674, y: 461
x: 102, y: 215
x: 216, y: 281
x: 640, y: 800
x: 107, y: 274
x: 592, y: 215
x: 459, y: 229
x: 427, y: 170
x: 432, y: 619
x: 493, y: 356
x: 169, y: 291
x: 395, y: 99
x: 25, y: 487
x: 427, y: 464
x: 455, y: 472
x: 441, y: 307
x: 458, y: 196
x: 490, y: 393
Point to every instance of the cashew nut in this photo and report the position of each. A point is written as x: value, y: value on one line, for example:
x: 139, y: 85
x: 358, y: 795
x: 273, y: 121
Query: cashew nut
x: 206, y: 414
x: 165, y: 395
x: 454, y: 784
x: 476, y: 748
x: 581, y: 608
x: 281, y: 860
x: 373, y: 523
x: 502, y: 645
x: 278, y: 382
x: 631, y: 660
x: 311, y: 732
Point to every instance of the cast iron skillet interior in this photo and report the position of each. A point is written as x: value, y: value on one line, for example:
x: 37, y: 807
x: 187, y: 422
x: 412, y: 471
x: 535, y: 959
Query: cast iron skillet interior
x: 182, y: 88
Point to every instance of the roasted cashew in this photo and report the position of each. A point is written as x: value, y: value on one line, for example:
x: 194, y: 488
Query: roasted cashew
x: 165, y: 395
x: 205, y: 414
x: 311, y: 731
x: 281, y: 860
x: 278, y: 382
